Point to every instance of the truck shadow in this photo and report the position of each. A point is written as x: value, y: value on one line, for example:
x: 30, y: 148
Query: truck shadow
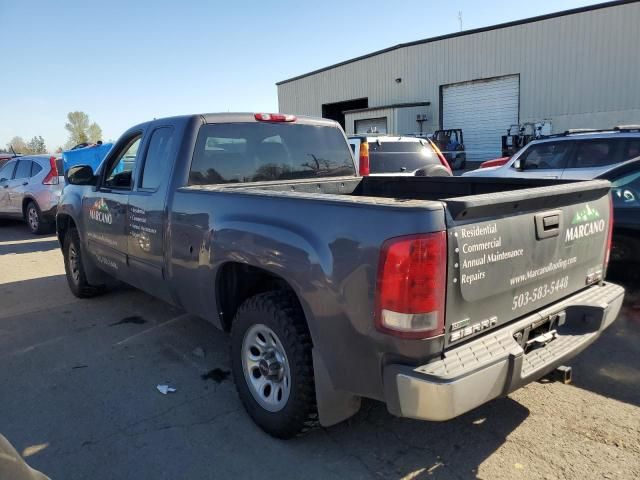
x: 609, y: 367
x: 15, y: 237
x: 40, y: 244
x: 403, y: 448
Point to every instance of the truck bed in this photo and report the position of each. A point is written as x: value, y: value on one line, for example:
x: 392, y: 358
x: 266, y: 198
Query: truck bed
x: 503, y: 263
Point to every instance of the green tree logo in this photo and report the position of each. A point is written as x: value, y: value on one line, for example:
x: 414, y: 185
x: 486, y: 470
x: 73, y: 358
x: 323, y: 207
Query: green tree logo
x: 587, y: 214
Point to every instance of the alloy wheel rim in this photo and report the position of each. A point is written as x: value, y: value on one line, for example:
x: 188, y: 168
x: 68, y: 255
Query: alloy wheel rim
x: 74, y: 264
x: 266, y: 368
x: 33, y: 218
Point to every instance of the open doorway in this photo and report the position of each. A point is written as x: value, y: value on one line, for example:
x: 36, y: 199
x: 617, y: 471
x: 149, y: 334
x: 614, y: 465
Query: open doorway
x: 335, y: 111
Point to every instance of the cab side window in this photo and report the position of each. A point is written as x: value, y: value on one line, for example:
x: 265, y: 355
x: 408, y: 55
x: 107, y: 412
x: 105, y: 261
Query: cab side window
x: 546, y: 156
x: 119, y: 173
x: 158, y: 158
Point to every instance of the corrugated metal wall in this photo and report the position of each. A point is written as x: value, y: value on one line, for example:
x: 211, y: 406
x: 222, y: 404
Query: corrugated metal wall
x: 579, y: 70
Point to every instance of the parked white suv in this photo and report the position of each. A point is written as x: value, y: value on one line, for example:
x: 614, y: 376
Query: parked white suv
x: 30, y: 187
x: 573, y: 155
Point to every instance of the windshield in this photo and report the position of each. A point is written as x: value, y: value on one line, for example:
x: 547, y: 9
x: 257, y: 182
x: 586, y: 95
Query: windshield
x: 396, y: 157
x: 254, y: 152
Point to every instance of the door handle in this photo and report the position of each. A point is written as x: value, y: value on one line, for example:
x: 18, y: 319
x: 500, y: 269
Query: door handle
x: 548, y: 224
x: 25, y: 183
x: 6, y: 186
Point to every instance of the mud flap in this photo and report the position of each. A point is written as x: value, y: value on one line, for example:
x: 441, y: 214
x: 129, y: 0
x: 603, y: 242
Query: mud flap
x: 334, y: 406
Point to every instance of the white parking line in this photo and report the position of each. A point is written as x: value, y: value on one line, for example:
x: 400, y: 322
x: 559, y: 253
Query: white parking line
x: 156, y: 327
x: 30, y: 240
x: 34, y: 346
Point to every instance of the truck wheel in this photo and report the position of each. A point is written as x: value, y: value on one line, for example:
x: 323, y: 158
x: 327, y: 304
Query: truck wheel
x: 36, y: 224
x: 74, y: 269
x: 272, y: 364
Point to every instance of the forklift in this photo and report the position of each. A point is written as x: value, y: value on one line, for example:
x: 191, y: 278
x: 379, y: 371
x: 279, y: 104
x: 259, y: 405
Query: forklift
x: 451, y: 144
x: 521, y: 134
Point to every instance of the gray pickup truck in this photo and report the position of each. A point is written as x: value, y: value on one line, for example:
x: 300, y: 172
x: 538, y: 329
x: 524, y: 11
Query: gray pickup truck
x: 433, y: 295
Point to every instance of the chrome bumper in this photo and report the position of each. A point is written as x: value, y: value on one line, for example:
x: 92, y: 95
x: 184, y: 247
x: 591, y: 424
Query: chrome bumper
x: 495, y: 364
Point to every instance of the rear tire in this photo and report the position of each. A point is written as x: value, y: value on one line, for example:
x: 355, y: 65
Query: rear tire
x: 272, y: 364
x: 34, y: 219
x: 74, y: 269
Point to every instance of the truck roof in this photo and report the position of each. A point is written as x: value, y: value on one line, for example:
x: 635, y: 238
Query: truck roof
x: 245, y: 117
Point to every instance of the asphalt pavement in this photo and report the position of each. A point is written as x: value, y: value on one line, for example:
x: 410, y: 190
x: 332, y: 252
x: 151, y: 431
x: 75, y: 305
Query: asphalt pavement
x: 78, y: 399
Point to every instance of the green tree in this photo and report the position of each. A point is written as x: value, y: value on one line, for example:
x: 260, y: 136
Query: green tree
x: 18, y: 144
x: 81, y: 130
x: 36, y: 145
x: 94, y: 132
x: 77, y: 126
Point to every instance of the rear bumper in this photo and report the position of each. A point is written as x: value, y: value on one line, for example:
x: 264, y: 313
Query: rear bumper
x: 495, y: 364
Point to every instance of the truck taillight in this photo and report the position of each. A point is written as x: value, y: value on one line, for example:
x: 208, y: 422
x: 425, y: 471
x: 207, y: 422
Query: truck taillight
x: 410, y: 293
x: 363, y: 160
x: 607, y: 254
x: 52, y: 176
x: 274, y: 117
x: 443, y: 160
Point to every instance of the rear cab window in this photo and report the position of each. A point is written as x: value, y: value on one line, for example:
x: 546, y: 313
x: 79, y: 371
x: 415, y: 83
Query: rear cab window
x: 397, y: 157
x: 256, y: 152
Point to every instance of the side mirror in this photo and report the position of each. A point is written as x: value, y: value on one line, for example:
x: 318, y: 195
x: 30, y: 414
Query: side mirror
x: 80, y: 175
x: 518, y: 165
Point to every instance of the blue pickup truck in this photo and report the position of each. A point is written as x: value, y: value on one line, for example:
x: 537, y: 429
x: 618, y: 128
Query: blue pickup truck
x: 433, y: 295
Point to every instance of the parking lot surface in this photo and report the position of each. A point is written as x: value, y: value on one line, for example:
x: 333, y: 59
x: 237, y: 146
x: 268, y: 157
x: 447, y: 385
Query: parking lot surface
x: 78, y: 399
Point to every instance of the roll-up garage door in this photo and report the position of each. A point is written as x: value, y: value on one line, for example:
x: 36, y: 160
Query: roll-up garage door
x: 484, y: 110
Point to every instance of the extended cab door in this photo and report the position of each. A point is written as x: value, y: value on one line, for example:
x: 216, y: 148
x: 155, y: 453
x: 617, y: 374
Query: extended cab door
x: 147, y: 216
x: 104, y: 209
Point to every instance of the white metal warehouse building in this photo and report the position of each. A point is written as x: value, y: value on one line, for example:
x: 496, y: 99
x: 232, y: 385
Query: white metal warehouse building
x: 578, y: 68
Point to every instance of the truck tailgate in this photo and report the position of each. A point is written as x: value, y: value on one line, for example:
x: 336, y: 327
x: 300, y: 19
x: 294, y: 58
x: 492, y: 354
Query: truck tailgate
x: 512, y: 253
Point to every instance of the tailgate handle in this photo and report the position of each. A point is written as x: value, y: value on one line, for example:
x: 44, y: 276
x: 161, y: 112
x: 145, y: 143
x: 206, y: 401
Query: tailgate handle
x: 548, y: 224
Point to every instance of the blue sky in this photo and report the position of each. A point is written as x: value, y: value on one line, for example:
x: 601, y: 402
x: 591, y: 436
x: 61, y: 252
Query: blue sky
x: 126, y: 62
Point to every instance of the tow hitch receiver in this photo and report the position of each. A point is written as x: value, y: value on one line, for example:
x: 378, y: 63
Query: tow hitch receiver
x: 562, y: 374
x: 540, y: 333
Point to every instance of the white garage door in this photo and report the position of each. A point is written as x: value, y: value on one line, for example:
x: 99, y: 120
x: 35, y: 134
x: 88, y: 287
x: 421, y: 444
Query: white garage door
x: 484, y: 110
x: 372, y: 125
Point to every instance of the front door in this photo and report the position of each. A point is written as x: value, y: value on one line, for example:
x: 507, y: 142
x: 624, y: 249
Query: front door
x: 18, y: 185
x: 6, y: 175
x: 104, y: 210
